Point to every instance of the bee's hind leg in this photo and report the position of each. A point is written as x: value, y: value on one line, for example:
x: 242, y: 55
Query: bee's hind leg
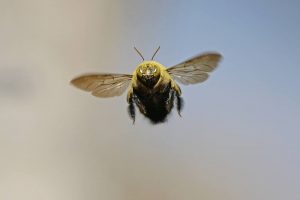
x: 179, y: 104
x: 179, y: 100
x: 131, y: 111
x: 131, y: 108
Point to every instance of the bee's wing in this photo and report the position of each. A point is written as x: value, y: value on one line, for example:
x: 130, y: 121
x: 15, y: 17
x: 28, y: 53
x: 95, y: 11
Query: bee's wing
x: 103, y: 85
x: 196, y: 69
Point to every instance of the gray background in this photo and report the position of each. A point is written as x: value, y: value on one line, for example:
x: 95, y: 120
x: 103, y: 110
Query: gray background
x: 239, y: 135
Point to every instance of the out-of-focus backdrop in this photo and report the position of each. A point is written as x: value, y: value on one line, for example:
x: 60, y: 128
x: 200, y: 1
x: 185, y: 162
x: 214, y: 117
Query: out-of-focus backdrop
x: 239, y: 137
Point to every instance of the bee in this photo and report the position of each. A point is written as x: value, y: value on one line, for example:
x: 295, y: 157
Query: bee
x: 153, y: 88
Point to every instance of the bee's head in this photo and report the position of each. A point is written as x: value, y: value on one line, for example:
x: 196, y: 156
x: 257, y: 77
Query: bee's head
x: 148, y: 72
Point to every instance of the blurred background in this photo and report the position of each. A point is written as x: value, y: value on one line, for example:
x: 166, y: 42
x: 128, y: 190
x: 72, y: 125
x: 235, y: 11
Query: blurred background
x: 239, y: 137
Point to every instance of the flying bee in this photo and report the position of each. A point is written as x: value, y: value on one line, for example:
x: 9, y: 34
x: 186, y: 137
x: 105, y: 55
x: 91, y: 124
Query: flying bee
x: 152, y: 86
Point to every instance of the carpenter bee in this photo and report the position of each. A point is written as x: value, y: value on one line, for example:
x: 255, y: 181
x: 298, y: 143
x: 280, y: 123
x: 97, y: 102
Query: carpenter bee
x: 152, y: 86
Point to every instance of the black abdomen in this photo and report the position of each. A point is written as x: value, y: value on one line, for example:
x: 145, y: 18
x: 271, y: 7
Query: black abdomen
x: 155, y: 106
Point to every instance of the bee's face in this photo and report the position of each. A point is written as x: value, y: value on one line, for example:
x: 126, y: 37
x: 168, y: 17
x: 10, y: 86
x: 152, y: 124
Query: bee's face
x: 148, y: 73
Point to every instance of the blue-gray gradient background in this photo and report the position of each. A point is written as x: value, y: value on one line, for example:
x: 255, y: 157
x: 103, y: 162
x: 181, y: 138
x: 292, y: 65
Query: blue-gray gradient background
x: 239, y: 138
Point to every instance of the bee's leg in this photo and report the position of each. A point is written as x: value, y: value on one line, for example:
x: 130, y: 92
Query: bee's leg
x: 179, y: 100
x: 176, y: 88
x: 140, y: 105
x: 131, y: 111
x: 179, y: 104
x: 170, y: 101
x: 131, y: 108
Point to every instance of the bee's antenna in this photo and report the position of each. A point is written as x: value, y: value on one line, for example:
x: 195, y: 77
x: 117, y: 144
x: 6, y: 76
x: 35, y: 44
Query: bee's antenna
x: 155, y: 52
x: 139, y: 53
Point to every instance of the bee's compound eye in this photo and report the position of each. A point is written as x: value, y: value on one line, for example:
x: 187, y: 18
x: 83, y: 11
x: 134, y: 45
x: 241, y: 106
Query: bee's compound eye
x: 155, y: 69
x: 141, y: 70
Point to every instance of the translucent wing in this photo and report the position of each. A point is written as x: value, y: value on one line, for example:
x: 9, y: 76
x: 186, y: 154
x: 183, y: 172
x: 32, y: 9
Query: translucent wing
x: 103, y: 85
x: 196, y: 69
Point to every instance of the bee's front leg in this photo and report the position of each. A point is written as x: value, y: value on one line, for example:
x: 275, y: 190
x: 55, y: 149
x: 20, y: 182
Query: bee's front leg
x: 131, y: 108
